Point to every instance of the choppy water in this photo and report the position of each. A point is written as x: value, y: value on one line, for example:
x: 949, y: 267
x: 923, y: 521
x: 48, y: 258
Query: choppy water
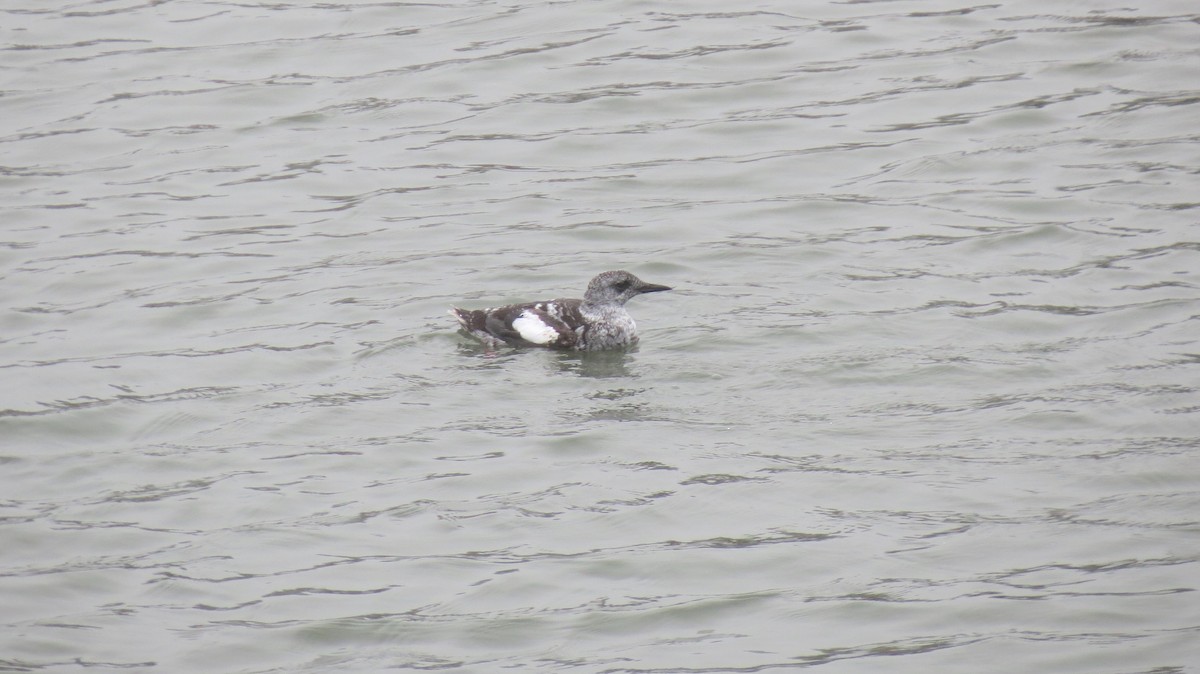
x: 924, y: 399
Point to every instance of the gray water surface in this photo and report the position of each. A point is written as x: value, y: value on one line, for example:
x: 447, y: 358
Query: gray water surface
x: 924, y: 398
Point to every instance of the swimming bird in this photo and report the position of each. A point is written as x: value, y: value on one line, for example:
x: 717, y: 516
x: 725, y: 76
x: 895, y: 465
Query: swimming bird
x: 598, y: 321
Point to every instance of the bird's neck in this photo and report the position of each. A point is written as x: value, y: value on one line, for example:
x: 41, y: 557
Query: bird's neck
x: 596, y: 310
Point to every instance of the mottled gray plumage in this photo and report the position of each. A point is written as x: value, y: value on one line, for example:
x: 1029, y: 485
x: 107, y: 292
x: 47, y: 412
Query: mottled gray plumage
x: 597, y: 322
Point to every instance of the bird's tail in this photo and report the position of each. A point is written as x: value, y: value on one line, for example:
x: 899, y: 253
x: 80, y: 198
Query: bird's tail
x: 470, y: 320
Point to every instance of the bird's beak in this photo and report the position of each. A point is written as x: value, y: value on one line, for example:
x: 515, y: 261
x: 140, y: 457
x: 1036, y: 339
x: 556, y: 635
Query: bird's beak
x: 652, y: 288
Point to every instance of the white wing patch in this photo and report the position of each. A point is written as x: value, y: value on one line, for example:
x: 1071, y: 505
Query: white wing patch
x: 533, y: 330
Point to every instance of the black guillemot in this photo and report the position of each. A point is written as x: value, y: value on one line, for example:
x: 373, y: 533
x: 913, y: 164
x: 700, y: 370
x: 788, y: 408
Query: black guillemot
x: 597, y: 322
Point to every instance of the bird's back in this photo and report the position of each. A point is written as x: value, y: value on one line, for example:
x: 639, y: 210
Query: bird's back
x: 558, y: 323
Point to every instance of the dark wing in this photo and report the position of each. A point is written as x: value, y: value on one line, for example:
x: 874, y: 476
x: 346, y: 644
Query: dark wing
x: 535, y: 323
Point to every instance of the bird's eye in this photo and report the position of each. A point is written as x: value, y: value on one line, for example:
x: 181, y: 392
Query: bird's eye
x: 622, y: 285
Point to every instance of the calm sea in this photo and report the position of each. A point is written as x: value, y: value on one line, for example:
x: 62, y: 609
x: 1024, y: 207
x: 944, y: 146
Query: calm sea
x: 924, y: 398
